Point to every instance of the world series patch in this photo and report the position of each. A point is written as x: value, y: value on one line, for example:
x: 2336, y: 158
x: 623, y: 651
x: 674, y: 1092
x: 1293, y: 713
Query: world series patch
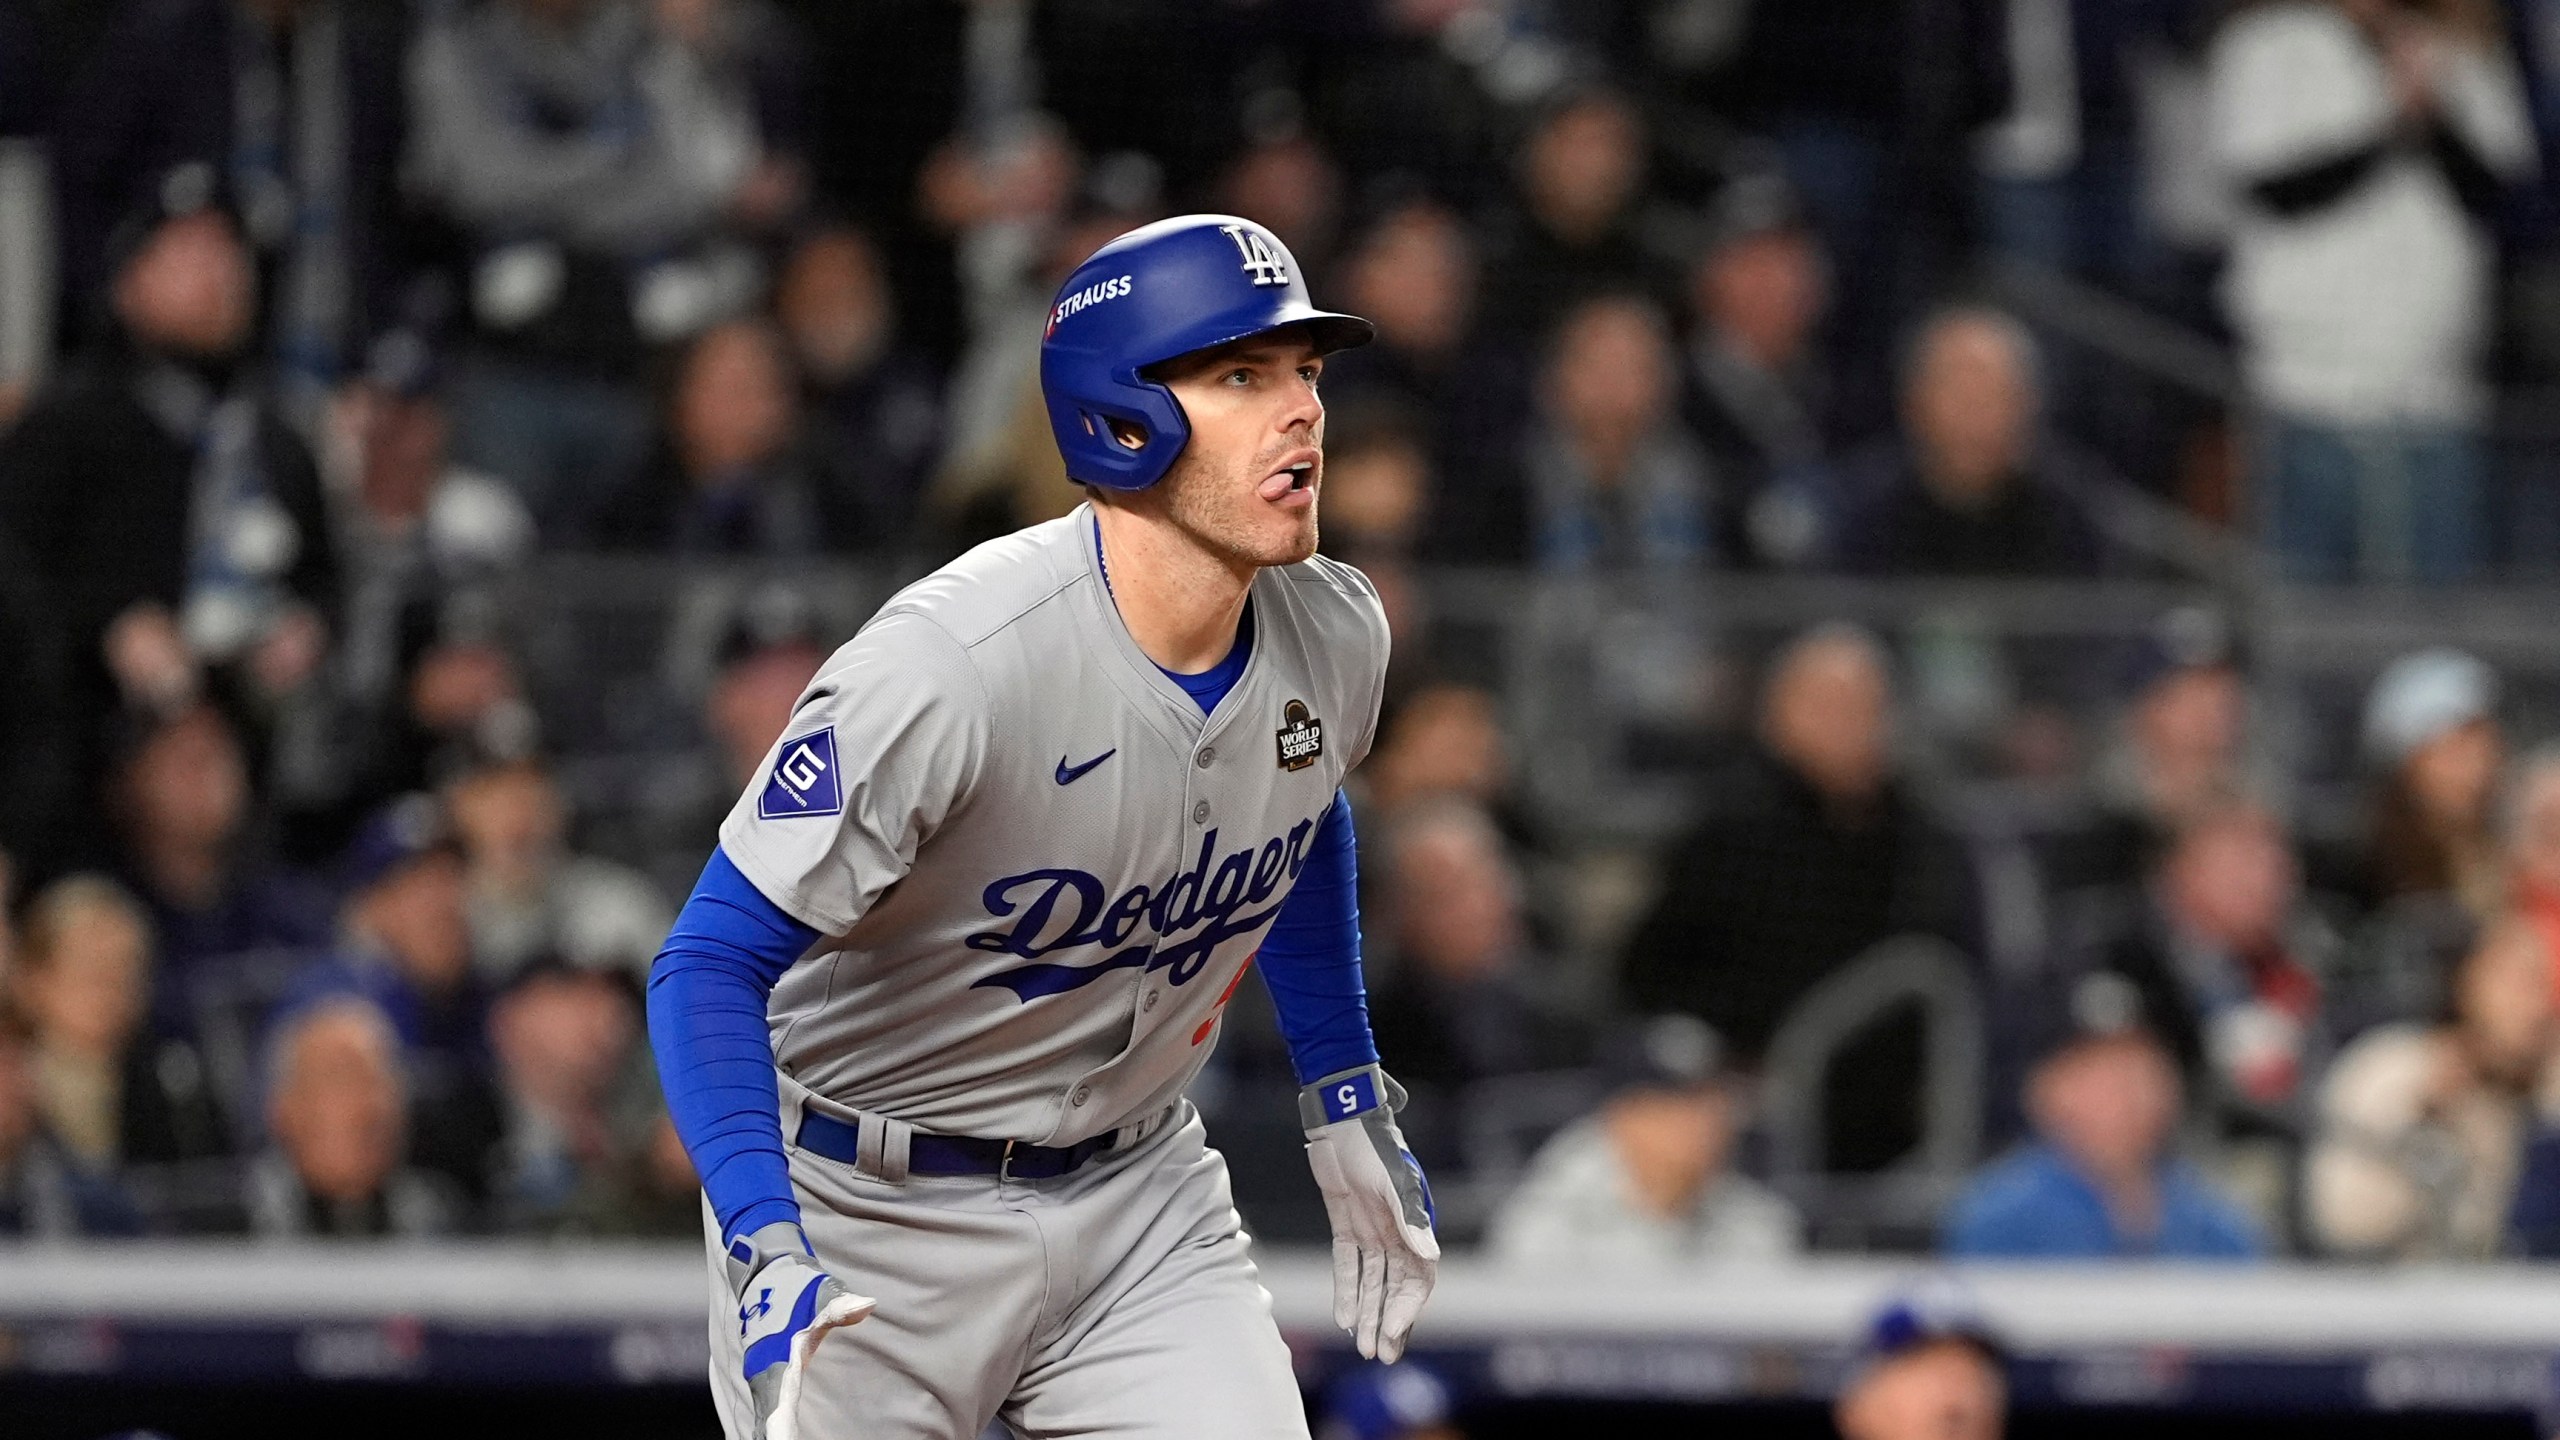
x: 1301, y: 737
x: 804, y: 779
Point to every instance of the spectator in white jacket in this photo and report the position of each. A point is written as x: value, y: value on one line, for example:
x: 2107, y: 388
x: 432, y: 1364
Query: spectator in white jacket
x: 2369, y: 141
x: 1648, y: 1179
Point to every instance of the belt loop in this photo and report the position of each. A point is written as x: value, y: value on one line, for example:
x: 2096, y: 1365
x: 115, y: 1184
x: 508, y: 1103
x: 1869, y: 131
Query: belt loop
x: 884, y: 1143
x: 793, y: 1097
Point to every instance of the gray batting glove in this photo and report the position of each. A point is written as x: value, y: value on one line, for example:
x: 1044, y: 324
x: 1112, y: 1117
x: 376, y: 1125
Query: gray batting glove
x: 1385, y: 1255
x: 786, y: 1305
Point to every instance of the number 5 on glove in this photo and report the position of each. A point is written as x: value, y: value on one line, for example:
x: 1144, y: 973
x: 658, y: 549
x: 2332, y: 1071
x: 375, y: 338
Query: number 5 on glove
x: 1385, y: 1255
x: 786, y: 1305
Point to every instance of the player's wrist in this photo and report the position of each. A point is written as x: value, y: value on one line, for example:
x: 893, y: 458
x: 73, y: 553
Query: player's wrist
x: 1349, y: 1095
x: 748, y: 1254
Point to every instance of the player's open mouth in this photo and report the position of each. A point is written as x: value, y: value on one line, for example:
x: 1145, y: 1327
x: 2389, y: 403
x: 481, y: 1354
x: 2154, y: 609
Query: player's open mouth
x: 1298, y: 477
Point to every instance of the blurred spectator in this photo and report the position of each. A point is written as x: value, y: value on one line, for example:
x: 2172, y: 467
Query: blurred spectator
x: 2183, y: 747
x: 738, y: 472
x: 182, y: 801
x: 2098, y: 1182
x: 2532, y: 809
x: 2423, y: 1128
x: 466, y: 689
x: 1285, y: 180
x: 876, y: 404
x: 1378, y: 485
x: 335, y: 1102
x: 1930, y: 1369
x: 1414, y: 274
x: 1613, y: 482
x: 648, y: 1187
x: 562, y: 1038
x: 405, y: 948
x: 297, y: 104
x: 1581, y: 173
x: 1462, y: 1001
x: 176, y: 522
x: 1972, y: 487
x: 1754, y: 389
x: 2372, y: 141
x: 1810, y: 851
x: 424, y: 540
x: 44, y: 1193
x: 405, y: 931
x: 111, y: 1093
x: 1648, y: 1181
x: 755, y: 53
x: 1445, y: 739
x: 1000, y: 467
x: 2431, y: 729
x: 531, y: 896
x: 2229, y: 969
x: 595, y: 155
x: 1872, y: 105
x: 2063, y: 171
x: 765, y: 660
x: 1403, y: 1401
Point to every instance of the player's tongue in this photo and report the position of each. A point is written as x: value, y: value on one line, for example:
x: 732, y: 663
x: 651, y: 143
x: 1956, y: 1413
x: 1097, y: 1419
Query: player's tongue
x: 1279, y: 483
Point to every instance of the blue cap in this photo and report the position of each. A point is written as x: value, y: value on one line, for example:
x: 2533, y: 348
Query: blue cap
x: 1938, y: 1308
x: 406, y: 830
x: 1159, y: 292
x: 1381, y: 1402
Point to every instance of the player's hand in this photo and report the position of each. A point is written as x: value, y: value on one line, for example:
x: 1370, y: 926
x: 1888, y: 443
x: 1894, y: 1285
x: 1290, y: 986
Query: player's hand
x: 1384, y: 1253
x: 786, y: 1305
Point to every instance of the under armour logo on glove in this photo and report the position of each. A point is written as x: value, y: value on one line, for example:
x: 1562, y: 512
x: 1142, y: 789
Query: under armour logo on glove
x: 796, y: 1305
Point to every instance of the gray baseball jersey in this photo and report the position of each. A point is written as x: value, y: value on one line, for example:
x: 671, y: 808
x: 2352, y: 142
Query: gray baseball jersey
x: 1039, y: 869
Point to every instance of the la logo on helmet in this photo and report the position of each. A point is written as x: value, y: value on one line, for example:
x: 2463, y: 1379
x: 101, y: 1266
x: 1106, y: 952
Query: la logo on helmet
x: 1259, y: 259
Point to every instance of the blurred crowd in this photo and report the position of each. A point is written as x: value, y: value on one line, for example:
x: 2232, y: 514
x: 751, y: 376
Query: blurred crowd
x: 332, y: 330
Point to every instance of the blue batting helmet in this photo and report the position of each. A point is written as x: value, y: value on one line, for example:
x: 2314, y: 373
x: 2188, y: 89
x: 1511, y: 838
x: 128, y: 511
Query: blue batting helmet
x: 1159, y: 292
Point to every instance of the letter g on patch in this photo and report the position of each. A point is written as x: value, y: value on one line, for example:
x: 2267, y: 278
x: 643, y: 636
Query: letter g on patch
x: 804, y: 780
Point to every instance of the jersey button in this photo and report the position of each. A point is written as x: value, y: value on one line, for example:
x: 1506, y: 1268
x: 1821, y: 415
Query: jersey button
x: 1150, y: 1002
x: 1081, y: 1095
x: 1208, y: 756
x: 1200, y: 813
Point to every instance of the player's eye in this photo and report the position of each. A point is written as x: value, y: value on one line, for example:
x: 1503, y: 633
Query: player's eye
x: 1310, y: 373
x: 1239, y: 376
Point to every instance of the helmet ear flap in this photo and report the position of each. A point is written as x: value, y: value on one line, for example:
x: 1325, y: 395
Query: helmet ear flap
x: 1122, y: 433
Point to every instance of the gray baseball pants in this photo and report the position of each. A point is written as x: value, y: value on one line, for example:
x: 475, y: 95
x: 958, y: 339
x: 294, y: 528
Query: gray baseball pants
x: 1117, y: 1303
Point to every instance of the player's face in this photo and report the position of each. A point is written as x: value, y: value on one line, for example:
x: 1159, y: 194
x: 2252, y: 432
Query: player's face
x: 1245, y: 486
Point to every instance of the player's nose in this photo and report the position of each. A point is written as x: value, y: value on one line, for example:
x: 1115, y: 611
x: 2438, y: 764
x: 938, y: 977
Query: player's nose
x: 1302, y: 408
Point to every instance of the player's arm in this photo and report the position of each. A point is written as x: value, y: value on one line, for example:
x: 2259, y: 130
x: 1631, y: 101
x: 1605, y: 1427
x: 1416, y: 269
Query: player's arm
x: 1384, y: 1252
x: 708, y: 991
x: 886, y: 741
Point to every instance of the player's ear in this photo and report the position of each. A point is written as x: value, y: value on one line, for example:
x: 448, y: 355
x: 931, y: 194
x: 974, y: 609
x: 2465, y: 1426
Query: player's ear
x: 1131, y: 436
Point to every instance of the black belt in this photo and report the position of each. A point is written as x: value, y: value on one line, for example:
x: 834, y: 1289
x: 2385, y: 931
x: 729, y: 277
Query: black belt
x: 954, y: 1154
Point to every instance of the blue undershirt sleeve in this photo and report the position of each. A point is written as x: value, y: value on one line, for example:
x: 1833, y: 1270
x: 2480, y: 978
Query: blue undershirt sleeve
x: 708, y: 990
x: 1311, y: 958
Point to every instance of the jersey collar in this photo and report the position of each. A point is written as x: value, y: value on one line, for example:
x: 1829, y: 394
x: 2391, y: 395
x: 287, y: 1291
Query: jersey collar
x: 1134, y: 664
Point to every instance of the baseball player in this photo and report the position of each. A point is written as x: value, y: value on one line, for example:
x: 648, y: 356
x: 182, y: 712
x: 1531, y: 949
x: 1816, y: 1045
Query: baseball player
x: 927, y: 1022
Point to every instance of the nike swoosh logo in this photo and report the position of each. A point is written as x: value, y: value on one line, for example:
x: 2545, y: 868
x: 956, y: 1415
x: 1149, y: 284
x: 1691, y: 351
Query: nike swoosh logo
x: 1070, y: 774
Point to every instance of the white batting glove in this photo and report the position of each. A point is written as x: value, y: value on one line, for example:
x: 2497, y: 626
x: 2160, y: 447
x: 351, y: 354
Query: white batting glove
x: 786, y: 1305
x: 1384, y: 1254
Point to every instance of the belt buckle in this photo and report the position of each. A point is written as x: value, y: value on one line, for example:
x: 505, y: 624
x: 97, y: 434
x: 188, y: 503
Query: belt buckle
x: 1004, y: 1164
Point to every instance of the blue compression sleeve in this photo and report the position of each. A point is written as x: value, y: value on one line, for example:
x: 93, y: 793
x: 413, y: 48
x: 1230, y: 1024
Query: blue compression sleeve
x: 1311, y: 958
x: 707, y: 995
